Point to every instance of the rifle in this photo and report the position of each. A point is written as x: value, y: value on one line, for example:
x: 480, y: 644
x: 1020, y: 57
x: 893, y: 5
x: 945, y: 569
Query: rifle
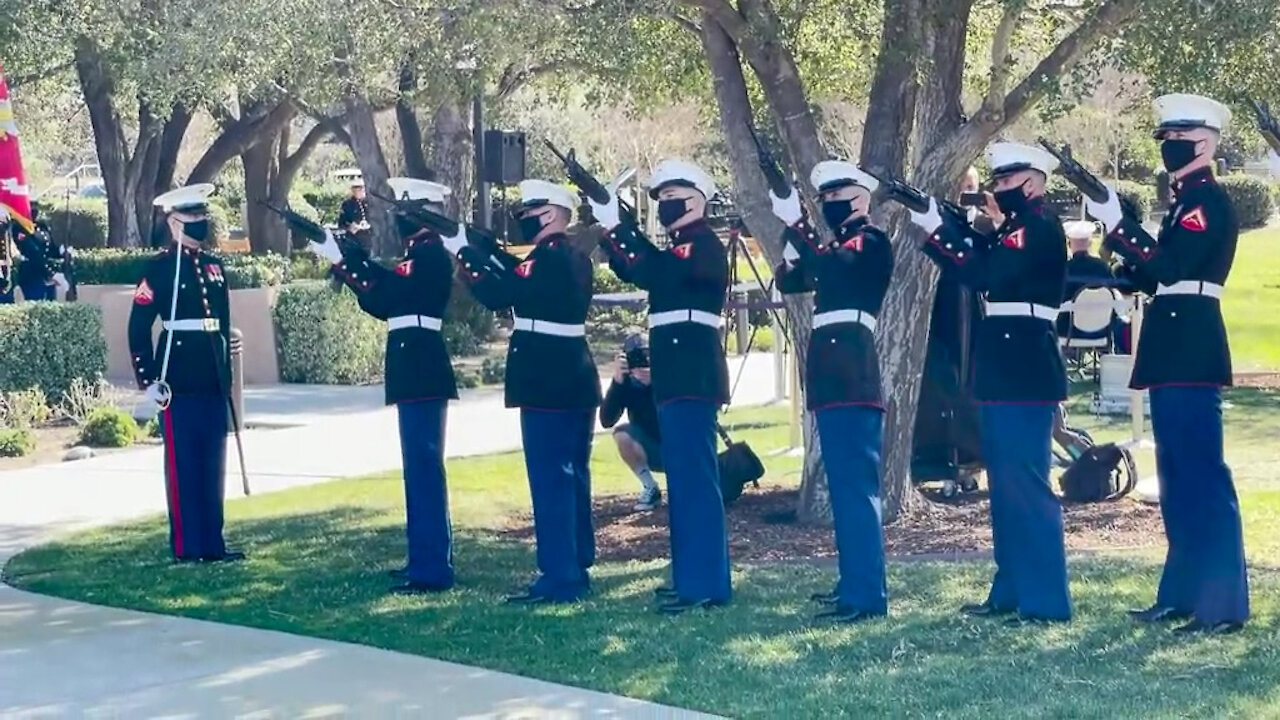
x: 1074, y: 172
x: 912, y: 197
x: 443, y: 225
x: 1267, y: 123
x: 307, y: 230
x: 770, y: 167
x: 587, y: 182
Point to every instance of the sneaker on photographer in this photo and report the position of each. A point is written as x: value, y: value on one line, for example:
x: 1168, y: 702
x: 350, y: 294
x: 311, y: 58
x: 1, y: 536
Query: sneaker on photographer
x: 650, y: 498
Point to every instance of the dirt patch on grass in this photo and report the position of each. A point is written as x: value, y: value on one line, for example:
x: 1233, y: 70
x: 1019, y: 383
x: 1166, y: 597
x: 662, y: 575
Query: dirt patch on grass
x: 762, y: 529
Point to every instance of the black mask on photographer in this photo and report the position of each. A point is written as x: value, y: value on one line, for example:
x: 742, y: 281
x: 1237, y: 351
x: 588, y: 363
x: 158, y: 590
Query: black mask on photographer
x: 197, y: 230
x: 1177, y: 154
x: 670, y: 211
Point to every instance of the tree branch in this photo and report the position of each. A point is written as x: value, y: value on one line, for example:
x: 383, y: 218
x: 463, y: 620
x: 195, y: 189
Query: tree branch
x: 1001, y: 59
x: 729, y: 20
x: 16, y: 81
x: 684, y: 22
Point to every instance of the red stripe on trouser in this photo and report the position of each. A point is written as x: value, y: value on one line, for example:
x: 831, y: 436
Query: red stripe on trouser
x: 171, y: 460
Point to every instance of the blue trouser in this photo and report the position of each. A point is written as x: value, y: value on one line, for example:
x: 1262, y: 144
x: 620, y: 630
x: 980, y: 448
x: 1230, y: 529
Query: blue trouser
x: 6, y: 298
x: 557, y: 450
x: 426, y: 495
x: 699, y: 543
x: 38, y: 290
x: 851, y: 439
x: 1204, y: 572
x: 1026, y: 515
x: 195, y: 452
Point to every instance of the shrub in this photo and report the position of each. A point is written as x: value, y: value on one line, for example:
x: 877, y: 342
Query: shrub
x: 466, y: 379
x: 81, y: 224
x: 16, y: 442
x: 1140, y: 159
x: 467, y: 323
x: 152, y: 428
x: 219, y: 222
x: 49, y: 345
x: 1142, y: 196
x: 299, y: 204
x: 493, y: 370
x: 109, y: 427
x: 324, y: 337
x: 111, y: 266
x: 25, y: 408
x: 1251, y: 197
x: 84, y: 396
x: 1066, y: 199
x: 306, y: 266
x: 326, y: 201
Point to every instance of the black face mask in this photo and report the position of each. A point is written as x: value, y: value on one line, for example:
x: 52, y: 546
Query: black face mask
x: 530, y: 226
x: 836, y: 212
x: 670, y: 211
x: 1177, y: 154
x: 197, y: 230
x: 1011, y: 200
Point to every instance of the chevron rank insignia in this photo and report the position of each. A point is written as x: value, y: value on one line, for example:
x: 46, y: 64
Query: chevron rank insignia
x: 143, y: 295
x: 683, y: 251
x: 405, y: 268
x: 1194, y: 220
x: 1015, y: 240
x: 525, y: 269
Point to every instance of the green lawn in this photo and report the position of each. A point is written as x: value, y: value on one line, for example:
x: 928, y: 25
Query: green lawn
x: 1252, y: 302
x: 318, y: 556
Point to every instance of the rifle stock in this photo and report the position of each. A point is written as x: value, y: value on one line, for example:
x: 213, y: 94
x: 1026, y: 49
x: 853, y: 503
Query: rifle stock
x: 1267, y: 123
x: 912, y: 197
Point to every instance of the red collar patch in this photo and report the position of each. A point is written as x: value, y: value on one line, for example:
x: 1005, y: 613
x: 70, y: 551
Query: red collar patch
x: 525, y: 269
x: 143, y: 295
x: 683, y: 251
x: 1015, y: 240
x: 404, y: 268
x: 1194, y: 220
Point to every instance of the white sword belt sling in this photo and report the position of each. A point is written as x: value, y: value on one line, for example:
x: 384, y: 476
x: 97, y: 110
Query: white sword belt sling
x: 166, y: 394
x: 671, y: 317
x: 836, y: 317
x: 1192, y: 287
x: 1021, y: 309
x: 426, y: 322
x: 546, y: 327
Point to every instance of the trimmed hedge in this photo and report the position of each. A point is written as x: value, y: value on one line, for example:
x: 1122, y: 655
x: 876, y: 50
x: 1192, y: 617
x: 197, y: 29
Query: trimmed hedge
x: 109, y: 266
x: 1251, y: 197
x: 1066, y: 199
x: 324, y: 337
x: 49, y: 345
x: 326, y: 202
x: 81, y: 224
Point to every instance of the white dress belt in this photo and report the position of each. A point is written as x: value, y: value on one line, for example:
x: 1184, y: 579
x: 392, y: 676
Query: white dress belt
x: 546, y: 327
x: 671, y: 317
x: 835, y: 317
x: 1022, y: 309
x: 193, y: 325
x: 1191, y: 287
x: 425, y: 322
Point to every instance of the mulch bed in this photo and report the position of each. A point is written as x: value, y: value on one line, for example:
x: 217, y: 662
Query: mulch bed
x: 1264, y: 381
x: 762, y: 529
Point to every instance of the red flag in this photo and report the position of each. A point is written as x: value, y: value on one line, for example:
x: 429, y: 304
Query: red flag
x: 14, y: 195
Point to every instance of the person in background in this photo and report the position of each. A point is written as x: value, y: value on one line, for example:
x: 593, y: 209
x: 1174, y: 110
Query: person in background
x: 639, y: 439
x: 353, y: 216
x: 40, y: 273
x: 1082, y: 266
x: 6, y: 260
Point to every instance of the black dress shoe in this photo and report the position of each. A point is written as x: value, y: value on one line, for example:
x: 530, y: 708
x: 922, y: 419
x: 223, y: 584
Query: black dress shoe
x: 1158, y: 613
x: 828, y: 598
x: 1221, y: 628
x: 228, y: 556
x: 186, y: 560
x: 679, y: 607
x: 527, y: 597
x: 417, y: 588
x: 984, y: 610
x: 399, y: 573
x: 666, y: 592
x: 845, y: 615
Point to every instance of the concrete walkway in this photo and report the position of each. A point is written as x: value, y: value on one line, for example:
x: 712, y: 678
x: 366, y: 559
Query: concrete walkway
x: 67, y: 659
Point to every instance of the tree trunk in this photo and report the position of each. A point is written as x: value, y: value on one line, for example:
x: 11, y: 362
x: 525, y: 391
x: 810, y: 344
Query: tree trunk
x: 415, y: 159
x: 451, y: 151
x: 98, y: 89
x: 258, y: 122
x: 373, y: 166
x: 267, y: 232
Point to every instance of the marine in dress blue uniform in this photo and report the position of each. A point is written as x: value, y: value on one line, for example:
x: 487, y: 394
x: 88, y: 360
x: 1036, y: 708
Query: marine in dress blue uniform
x: 188, y: 373
x: 411, y: 298
x: 1184, y: 360
x: 842, y: 371
x: 687, y: 284
x: 1020, y: 377
x: 551, y: 376
x: 40, y: 273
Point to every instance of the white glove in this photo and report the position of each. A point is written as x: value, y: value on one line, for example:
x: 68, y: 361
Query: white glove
x: 328, y: 249
x: 789, y: 253
x: 454, y: 243
x: 61, y: 281
x: 929, y: 220
x: 158, y: 394
x: 1108, y: 213
x: 787, y: 209
x: 1273, y: 162
x: 606, y: 213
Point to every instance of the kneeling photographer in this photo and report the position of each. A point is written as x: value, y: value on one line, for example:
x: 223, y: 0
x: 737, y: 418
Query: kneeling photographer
x: 639, y: 441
